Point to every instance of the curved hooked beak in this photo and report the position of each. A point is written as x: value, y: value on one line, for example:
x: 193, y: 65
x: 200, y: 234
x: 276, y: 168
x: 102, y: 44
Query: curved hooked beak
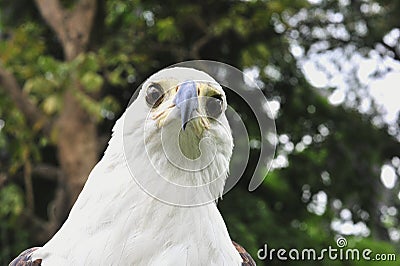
x: 186, y: 100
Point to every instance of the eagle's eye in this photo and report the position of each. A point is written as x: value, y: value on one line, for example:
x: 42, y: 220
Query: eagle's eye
x: 214, y: 106
x: 154, y: 95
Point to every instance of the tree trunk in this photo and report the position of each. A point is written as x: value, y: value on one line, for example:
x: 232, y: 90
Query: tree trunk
x: 75, y: 131
x: 77, y: 146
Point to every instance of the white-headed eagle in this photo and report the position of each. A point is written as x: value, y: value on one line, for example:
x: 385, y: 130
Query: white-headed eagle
x: 151, y: 199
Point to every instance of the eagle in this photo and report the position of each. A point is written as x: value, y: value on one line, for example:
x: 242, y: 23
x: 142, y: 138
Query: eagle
x: 152, y: 198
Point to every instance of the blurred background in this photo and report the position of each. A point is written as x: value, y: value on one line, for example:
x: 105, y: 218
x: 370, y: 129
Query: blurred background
x: 330, y: 70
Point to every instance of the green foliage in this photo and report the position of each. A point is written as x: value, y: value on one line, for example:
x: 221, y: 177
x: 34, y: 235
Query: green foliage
x: 19, y: 49
x: 166, y: 30
x: 16, y: 138
x: 11, y: 208
x: 12, y: 204
x: 132, y: 39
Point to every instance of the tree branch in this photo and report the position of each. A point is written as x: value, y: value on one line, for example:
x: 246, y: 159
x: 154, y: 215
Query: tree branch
x: 35, y: 118
x: 57, y: 209
x: 71, y: 26
x: 30, y: 195
x: 198, y: 44
x: 53, y: 13
x: 208, y: 34
x: 40, y: 228
x: 3, y: 179
x: 48, y: 172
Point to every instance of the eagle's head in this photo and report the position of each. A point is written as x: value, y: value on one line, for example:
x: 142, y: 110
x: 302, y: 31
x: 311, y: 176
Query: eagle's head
x: 177, y: 139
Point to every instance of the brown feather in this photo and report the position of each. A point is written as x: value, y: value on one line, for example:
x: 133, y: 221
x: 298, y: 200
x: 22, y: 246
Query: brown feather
x: 247, y: 259
x: 24, y: 259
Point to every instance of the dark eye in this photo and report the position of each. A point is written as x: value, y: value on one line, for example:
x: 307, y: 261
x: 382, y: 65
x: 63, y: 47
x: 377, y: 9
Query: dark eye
x: 214, y: 106
x: 154, y: 95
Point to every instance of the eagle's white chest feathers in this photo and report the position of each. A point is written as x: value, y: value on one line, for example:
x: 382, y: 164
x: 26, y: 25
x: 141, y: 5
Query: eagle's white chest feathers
x: 114, y: 222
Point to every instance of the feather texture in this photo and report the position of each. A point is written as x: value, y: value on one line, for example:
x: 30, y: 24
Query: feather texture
x: 116, y: 222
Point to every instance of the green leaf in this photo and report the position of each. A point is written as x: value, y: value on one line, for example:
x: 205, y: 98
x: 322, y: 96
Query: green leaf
x: 92, y: 82
x: 115, y: 76
x: 51, y: 104
x: 167, y: 30
x: 12, y: 203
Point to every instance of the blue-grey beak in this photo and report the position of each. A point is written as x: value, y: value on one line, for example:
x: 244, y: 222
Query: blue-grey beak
x: 187, y: 101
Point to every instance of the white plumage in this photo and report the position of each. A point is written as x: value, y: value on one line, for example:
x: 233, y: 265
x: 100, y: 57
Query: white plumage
x: 116, y: 222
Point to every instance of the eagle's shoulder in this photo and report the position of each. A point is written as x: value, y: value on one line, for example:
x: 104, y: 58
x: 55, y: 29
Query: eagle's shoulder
x: 24, y: 259
x: 247, y: 259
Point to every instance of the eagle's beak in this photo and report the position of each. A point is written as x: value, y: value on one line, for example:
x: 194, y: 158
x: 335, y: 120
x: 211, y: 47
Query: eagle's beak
x: 186, y: 100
